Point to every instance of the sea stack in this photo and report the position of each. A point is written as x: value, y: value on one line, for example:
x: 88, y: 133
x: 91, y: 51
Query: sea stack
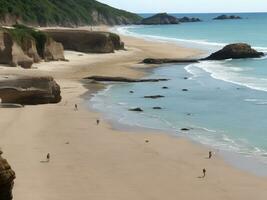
x: 235, y: 51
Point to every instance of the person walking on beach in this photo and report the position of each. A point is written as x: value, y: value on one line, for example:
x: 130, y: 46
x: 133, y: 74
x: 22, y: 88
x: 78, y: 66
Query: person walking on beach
x: 210, y: 154
x: 76, y: 107
x: 48, y: 157
x: 204, y: 173
x: 97, y: 121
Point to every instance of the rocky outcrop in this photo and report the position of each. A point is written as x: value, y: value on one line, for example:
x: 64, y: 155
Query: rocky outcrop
x: 225, y: 17
x: 136, y: 109
x: 189, y: 19
x: 23, y: 52
x: 53, y: 51
x: 28, y: 90
x: 122, y: 79
x: 87, y: 41
x: 7, y: 176
x: 11, y: 53
x: 28, y: 46
x: 167, y: 60
x: 160, y: 19
x: 153, y: 96
x: 235, y: 51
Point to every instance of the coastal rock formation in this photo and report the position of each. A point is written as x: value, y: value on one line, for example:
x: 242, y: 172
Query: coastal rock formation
x: 235, y: 51
x: 136, y: 109
x: 11, y: 53
x: 28, y: 90
x: 224, y: 17
x: 167, y: 60
x: 53, y: 51
x: 160, y: 19
x: 28, y: 46
x: 188, y: 19
x: 7, y: 176
x: 122, y: 79
x: 153, y: 97
x: 87, y: 41
x: 157, y: 108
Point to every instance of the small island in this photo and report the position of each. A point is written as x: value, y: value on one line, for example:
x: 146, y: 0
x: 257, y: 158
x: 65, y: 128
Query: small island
x: 189, y: 19
x: 160, y: 19
x: 225, y: 17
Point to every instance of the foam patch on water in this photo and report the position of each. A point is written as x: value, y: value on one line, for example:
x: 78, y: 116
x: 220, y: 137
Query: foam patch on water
x: 217, y: 70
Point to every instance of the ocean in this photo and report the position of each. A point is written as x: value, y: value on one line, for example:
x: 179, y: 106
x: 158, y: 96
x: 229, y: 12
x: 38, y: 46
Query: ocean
x: 225, y: 106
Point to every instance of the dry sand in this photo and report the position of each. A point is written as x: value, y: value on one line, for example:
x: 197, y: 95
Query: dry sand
x: 100, y: 163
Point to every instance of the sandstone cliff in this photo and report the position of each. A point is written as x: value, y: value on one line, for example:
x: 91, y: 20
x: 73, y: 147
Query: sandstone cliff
x: 87, y: 41
x: 28, y: 90
x: 7, y: 176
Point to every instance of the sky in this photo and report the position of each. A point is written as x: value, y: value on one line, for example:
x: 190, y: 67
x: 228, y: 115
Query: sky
x: 189, y: 6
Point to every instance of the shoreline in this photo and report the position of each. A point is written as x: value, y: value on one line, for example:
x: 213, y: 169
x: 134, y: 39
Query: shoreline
x: 100, y: 162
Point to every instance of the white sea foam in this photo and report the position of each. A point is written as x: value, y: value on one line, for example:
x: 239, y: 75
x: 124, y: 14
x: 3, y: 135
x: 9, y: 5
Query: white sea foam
x: 229, y: 74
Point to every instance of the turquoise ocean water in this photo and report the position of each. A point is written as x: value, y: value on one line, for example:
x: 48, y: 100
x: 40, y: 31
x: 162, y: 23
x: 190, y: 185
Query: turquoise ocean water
x: 226, y: 102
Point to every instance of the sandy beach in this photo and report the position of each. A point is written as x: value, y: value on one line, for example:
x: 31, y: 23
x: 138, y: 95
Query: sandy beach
x: 100, y: 162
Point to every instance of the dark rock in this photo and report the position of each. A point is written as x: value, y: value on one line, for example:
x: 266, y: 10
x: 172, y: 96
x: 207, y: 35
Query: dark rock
x: 154, y: 97
x: 131, y: 92
x: 28, y: 90
x: 185, y: 78
x: 160, y: 19
x: 235, y: 51
x: 165, y: 87
x: 224, y: 17
x: 168, y: 60
x: 157, y: 108
x: 147, y: 141
x: 188, y: 19
x: 184, y: 90
x: 7, y: 176
x: 122, y: 79
x: 87, y: 41
x: 136, y: 109
x: 185, y: 129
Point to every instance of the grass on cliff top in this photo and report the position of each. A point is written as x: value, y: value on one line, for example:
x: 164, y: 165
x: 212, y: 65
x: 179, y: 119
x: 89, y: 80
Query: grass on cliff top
x: 20, y: 33
x: 61, y: 12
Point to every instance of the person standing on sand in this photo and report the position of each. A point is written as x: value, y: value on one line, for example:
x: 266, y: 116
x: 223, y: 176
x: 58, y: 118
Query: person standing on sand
x: 210, y: 154
x: 97, y: 121
x: 76, y: 107
x: 48, y: 157
x: 204, y: 173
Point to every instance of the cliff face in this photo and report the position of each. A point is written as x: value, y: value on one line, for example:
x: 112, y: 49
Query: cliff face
x: 86, y: 41
x: 62, y: 13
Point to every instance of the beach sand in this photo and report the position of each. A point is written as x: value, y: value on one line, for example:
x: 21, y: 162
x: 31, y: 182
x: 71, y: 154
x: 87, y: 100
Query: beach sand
x: 100, y: 162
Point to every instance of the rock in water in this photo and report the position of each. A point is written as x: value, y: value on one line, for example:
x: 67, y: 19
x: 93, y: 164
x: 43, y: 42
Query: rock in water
x: 53, y: 51
x: 224, y: 17
x: 27, y: 90
x: 159, y: 19
x: 188, y: 19
x: 136, y: 109
x: 235, y: 51
x: 7, y: 176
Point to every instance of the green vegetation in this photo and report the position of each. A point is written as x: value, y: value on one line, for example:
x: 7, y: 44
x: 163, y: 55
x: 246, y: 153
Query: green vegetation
x: 65, y: 12
x: 21, y: 33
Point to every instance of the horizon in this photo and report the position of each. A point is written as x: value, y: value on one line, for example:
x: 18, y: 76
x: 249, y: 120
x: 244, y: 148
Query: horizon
x: 202, y: 6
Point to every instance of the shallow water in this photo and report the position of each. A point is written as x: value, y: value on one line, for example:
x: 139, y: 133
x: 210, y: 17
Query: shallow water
x: 226, y: 103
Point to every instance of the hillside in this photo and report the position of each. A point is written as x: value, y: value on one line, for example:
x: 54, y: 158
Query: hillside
x: 63, y: 13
